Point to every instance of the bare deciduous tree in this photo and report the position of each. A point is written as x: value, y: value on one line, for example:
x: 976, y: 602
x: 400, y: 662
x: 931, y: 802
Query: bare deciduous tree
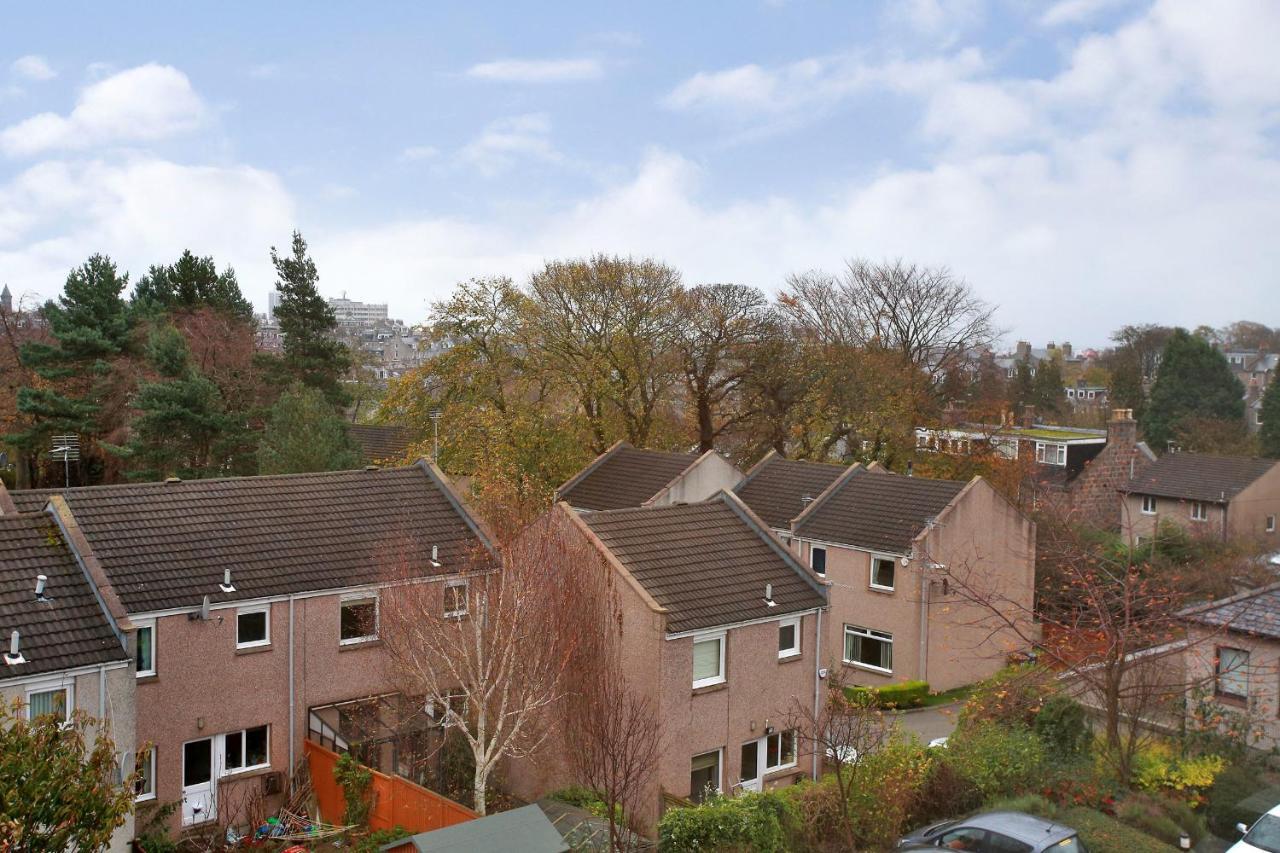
x: 490, y: 649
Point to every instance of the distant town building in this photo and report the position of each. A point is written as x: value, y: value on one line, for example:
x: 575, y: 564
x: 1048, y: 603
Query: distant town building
x: 273, y: 302
x: 352, y: 313
x: 6, y: 300
x: 1255, y: 368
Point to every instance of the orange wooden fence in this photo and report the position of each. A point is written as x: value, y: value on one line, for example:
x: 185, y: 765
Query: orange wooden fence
x: 396, y: 801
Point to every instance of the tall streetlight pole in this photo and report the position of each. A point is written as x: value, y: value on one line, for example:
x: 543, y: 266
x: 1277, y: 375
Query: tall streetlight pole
x: 435, y: 415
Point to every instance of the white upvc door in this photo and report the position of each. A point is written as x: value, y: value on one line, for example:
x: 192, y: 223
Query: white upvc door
x: 751, y: 769
x: 199, y: 781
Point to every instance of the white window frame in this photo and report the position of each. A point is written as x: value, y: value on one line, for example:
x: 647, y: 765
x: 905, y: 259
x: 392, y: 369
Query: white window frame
x: 220, y: 752
x: 1239, y: 673
x: 1060, y: 453
x: 456, y: 583
x: 764, y: 754
x: 812, y: 550
x: 719, y: 751
x: 1199, y: 511
x: 871, y: 576
x: 1270, y: 525
x: 356, y: 598
x: 67, y: 685
x: 719, y: 677
x: 151, y: 794
x: 1148, y: 504
x: 246, y: 611
x: 145, y: 625
x: 794, y: 622
x: 867, y: 634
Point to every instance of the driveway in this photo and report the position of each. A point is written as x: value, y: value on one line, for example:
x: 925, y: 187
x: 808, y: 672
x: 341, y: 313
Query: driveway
x: 930, y: 723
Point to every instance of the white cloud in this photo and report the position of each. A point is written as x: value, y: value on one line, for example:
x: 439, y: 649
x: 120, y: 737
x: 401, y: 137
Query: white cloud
x: 142, y: 104
x: 33, y: 67
x: 537, y: 70
x: 506, y: 140
x: 1076, y: 11
x: 415, y: 153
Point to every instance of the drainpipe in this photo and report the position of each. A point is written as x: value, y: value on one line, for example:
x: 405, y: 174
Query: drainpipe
x: 292, y: 698
x: 817, y: 681
x: 102, y: 695
x: 924, y: 621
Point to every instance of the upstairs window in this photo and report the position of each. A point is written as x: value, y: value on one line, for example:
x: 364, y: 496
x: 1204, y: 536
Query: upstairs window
x: 708, y: 660
x: 455, y: 599
x: 1050, y: 453
x: 145, y: 647
x: 1271, y: 524
x: 1199, y: 511
x: 358, y: 620
x: 818, y: 560
x: 1148, y: 505
x: 253, y: 627
x: 789, y: 637
x: 882, y: 572
x: 55, y: 702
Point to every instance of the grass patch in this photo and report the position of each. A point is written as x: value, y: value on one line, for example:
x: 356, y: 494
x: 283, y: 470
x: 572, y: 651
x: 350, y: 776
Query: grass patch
x: 946, y: 697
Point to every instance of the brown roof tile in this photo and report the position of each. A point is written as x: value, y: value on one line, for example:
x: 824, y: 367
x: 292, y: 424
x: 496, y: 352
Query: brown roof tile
x: 68, y: 630
x: 164, y: 545
x: 1199, y: 477
x: 1255, y: 612
x: 876, y: 510
x: 379, y: 443
x: 706, y: 563
x: 623, y: 476
x: 775, y: 488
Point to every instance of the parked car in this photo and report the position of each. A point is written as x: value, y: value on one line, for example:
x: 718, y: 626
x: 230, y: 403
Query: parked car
x: 997, y: 832
x: 1263, y: 836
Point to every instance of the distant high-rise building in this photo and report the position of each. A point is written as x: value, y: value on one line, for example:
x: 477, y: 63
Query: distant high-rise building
x: 6, y: 300
x: 273, y: 302
x: 352, y: 313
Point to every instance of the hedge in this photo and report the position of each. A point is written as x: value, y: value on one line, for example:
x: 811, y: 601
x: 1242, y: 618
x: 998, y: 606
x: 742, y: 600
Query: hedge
x: 754, y: 822
x: 906, y: 694
x: 1103, y: 834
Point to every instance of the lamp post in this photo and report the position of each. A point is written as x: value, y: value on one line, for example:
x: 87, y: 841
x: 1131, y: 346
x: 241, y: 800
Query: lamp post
x: 435, y: 415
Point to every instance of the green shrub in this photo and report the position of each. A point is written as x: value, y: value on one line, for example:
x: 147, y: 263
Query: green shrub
x: 945, y: 792
x: 356, y: 781
x: 1029, y: 803
x: 1103, y: 834
x: 1013, y: 696
x: 1157, y: 767
x: 884, y: 792
x: 1063, y: 727
x: 906, y: 694
x: 1000, y: 761
x: 372, y: 842
x: 1222, y: 811
x: 584, y: 798
x: 752, y: 823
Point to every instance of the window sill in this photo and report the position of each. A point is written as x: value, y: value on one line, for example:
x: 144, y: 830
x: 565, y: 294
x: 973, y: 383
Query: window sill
x: 868, y: 667
x: 884, y: 590
x: 1230, y: 699
x: 144, y: 798
x: 253, y: 650
x: 710, y: 688
x: 356, y: 645
x: 790, y: 658
x: 246, y: 773
x: 146, y: 678
x: 781, y: 770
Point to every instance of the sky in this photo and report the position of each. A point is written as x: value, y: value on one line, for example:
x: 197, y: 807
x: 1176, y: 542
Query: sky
x: 1082, y: 164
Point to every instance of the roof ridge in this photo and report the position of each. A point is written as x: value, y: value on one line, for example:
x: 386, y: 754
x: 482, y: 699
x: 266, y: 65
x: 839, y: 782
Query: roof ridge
x: 250, y: 478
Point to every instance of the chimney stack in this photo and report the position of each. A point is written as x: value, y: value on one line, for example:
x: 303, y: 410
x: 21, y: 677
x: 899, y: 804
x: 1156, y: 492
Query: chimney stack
x: 1122, y: 429
x: 1066, y: 349
x: 1022, y: 350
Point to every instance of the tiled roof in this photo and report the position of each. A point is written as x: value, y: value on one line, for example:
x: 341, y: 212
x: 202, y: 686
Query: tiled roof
x: 876, y: 510
x: 164, y: 545
x: 381, y: 443
x: 68, y: 630
x: 1254, y: 612
x: 706, y: 562
x: 1198, y: 477
x: 623, y: 476
x: 775, y: 488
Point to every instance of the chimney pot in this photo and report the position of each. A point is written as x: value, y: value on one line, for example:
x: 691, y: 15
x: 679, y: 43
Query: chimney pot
x: 41, y: 580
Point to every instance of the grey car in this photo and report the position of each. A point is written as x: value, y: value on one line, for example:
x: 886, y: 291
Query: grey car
x: 996, y: 832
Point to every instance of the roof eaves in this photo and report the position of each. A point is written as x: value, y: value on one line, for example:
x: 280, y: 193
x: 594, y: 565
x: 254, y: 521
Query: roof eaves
x: 634, y: 582
x: 95, y: 576
x: 754, y: 521
x: 591, y: 466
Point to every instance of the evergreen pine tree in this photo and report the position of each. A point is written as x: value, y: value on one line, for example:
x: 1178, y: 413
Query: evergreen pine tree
x: 307, y: 323
x: 1269, y: 434
x: 304, y: 433
x: 1049, y: 395
x: 1022, y: 390
x: 181, y: 428
x: 1194, y: 382
x: 91, y: 326
x: 191, y: 283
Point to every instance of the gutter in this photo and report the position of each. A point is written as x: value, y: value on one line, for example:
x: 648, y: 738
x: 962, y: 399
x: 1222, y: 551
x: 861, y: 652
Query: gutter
x: 817, y: 683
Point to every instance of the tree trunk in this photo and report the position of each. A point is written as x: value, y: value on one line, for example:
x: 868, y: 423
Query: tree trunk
x: 706, y: 429
x: 479, y: 782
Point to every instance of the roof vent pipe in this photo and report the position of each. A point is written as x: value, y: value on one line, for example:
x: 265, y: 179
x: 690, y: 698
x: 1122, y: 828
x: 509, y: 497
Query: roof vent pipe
x: 41, y: 580
x: 14, y: 656
x: 768, y: 595
x: 226, y: 581
x: 435, y: 556
x: 911, y: 467
x: 204, y: 608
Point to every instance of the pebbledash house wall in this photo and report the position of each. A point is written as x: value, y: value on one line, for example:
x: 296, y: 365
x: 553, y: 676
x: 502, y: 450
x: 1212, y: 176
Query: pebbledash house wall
x: 1243, y: 518
x: 979, y: 532
x: 760, y: 690
x: 1263, y: 673
x: 115, y: 705
x: 205, y: 686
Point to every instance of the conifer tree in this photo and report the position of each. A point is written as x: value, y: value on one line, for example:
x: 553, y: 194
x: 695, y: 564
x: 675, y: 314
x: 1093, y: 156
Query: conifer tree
x: 311, y: 354
x: 304, y: 433
x: 1194, y: 383
x: 191, y: 283
x: 1269, y: 435
x: 1049, y: 395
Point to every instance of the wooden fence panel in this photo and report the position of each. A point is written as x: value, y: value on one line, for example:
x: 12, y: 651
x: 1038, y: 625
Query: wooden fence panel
x: 396, y: 801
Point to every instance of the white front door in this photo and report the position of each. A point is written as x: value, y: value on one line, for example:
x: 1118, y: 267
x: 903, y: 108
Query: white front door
x: 199, y: 785
x: 750, y: 772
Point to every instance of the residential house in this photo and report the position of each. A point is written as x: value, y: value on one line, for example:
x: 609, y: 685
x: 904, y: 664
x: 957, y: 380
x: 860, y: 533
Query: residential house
x: 889, y: 545
x: 66, y: 639
x: 1233, y: 656
x: 721, y: 625
x: 1226, y: 497
x: 1255, y: 368
x: 1085, y: 397
x: 254, y: 607
x: 778, y: 489
x: 625, y: 476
